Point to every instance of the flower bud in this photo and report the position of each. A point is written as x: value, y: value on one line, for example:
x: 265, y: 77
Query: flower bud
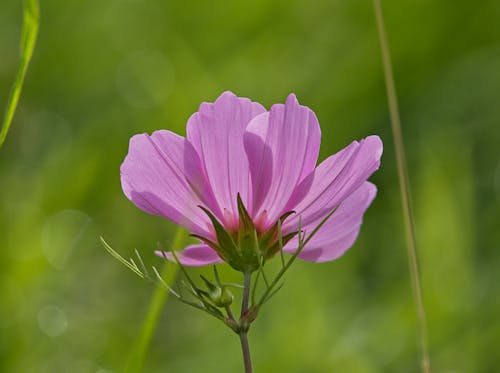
x: 221, y: 296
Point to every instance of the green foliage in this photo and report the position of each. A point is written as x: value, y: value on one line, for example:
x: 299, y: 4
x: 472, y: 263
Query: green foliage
x: 104, y: 71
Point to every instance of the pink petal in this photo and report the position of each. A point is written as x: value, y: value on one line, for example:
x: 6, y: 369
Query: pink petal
x: 340, y: 231
x: 158, y: 176
x: 260, y: 159
x: 216, y: 132
x: 282, y: 148
x: 193, y: 256
x: 334, y: 180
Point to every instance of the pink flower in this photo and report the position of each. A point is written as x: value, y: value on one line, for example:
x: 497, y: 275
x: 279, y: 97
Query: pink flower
x: 239, y: 159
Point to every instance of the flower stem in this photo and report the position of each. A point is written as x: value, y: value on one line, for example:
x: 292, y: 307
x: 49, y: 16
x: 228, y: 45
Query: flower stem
x: 404, y: 185
x: 247, y: 278
x: 245, y: 348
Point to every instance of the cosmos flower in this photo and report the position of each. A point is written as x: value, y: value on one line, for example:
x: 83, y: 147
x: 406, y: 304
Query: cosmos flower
x: 240, y: 170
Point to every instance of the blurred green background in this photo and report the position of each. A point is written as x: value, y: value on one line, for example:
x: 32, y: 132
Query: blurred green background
x: 105, y: 70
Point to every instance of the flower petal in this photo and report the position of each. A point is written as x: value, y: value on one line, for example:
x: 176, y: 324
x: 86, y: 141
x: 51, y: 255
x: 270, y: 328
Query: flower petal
x: 216, y: 132
x: 340, y: 231
x: 283, y: 148
x: 334, y: 180
x: 158, y: 176
x: 260, y: 159
x: 193, y: 256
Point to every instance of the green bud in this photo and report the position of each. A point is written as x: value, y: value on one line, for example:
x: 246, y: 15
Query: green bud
x: 221, y: 296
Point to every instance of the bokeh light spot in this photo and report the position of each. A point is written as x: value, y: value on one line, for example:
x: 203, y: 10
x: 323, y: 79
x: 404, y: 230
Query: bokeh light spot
x: 52, y: 321
x: 61, y: 234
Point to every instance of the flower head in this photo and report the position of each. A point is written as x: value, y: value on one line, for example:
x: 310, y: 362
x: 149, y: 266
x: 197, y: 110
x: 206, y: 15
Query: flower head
x: 244, y: 177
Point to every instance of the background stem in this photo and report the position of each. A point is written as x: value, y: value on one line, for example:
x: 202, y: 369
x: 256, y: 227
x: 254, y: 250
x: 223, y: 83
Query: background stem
x: 404, y: 186
x: 140, y: 348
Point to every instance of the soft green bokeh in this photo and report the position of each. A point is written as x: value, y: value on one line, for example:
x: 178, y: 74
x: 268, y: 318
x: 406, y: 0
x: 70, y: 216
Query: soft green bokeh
x: 105, y: 70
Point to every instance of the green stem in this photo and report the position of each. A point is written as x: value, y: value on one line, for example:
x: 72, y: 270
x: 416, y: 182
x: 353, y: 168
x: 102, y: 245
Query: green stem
x: 404, y: 185
x: 160, y: 296
x: 245, y: 347
x: 247, y: 278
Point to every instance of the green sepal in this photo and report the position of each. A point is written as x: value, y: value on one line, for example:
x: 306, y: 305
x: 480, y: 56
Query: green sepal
x: 272, y: 233
x: 247, y: 239
x: 241, y: 256
x: 269, y: 240
x: 226, y: 246
x: 205, y: 240
x: 276, y: 247
x: 244, y: 249
x: 210, y: 243
x: 210, y: 285
x: 245, y: 221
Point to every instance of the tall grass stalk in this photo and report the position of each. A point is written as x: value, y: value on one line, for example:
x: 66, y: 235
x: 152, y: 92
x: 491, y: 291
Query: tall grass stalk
x: 404, y: 185
x: 140, y: 348
x: 31, y: 20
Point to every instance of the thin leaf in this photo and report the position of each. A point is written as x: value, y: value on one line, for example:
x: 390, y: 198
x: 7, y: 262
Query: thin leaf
x: 273, y: 293
x: 132, y: 266
x: 144, y: 269
x: 264, y: 277
x: 254, y: 288
x: 197, y: 292
x: 233, y: 285
x: 31, y: 20
x: 302, y: 244
x: 189, y: 288
x: 164, y: 283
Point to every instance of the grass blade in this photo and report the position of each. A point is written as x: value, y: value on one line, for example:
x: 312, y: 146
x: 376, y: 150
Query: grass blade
x: 31, y: 20
x: 404, y: 185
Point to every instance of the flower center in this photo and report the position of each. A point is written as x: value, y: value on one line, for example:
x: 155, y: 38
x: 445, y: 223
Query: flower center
x: 243, y: 243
